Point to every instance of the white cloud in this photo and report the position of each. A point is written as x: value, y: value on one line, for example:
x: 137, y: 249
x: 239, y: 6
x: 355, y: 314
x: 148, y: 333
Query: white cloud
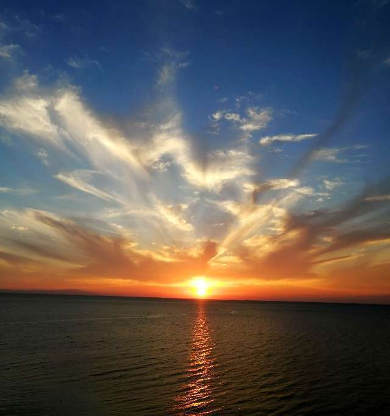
x: 358, y: 146
x: 275, y: 150
x: 234, y: 117
x: 283, y: 183
x: 378, y: 4
x: 189, y: 4
x: 258, y: 118
x: 277, y: 184
x: 9, y: 51
x: 20, y: 228
x: 61, y: 119
x: 223, y: 167
x: 16, y: 24
x: 25, y: 26
x: 332, y: 184
x: 74, y: 63
x: 3, y: 27
x: 166, y: 74
x: 171, y: 62
x: 103, y: 146
x: 329, y: 154
x: 26, y: 82
x: 217, y: 115
x: 17, y: 191
x: 378, y: 198
x: 43, y: 155
x: 286, y: 138
x: 305, y: 190
x: 161, y: 166
x: 173, y: 214
x: 217, y: 168
x: 252, y: 219
x: 78, y: 62
x: 363, y: 53
x: 80, y: 179
x: 60, y: 17
x: 30, y: 114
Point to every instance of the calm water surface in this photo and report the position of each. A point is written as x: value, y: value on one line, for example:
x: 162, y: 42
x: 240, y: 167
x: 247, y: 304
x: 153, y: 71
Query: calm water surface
x: 64, y: 355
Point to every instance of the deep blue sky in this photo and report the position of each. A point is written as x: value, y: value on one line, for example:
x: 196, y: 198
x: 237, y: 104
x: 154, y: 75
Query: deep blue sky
x: 298, y: 55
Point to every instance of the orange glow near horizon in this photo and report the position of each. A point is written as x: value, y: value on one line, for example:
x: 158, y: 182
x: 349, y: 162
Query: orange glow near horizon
x: 201, y: 286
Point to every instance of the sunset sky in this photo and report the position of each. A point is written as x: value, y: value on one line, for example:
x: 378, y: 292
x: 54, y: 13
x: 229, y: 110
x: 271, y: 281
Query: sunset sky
x: 229, y: 149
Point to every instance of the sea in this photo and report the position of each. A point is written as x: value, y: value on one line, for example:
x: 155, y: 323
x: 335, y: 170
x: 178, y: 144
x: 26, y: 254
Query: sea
x: 85, y: 355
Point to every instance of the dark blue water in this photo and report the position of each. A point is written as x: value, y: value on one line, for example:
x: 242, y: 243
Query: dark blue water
x: 65, y: 355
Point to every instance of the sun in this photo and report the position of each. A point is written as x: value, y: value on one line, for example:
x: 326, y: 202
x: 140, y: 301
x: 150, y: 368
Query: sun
x: 201, y: 286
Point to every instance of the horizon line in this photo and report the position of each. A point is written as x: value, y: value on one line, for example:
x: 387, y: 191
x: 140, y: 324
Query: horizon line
x: 81, y: 293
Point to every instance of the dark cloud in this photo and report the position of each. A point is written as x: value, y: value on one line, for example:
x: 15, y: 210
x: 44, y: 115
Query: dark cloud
x: 316, y: 237
x: 118, y: 257
x: 43, y: 251
x: 13, y: 259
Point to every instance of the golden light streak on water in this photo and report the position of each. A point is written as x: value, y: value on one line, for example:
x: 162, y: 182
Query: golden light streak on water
x: 197, y: 393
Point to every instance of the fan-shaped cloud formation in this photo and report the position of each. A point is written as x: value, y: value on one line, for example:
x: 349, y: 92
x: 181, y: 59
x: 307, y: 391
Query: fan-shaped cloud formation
x: 139, y: 194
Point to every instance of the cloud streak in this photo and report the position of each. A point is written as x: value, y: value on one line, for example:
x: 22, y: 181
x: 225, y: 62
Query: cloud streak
x: 286, y: 138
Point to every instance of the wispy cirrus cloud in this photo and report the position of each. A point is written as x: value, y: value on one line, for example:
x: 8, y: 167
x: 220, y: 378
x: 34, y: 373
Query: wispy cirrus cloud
x: 14, y: 25
x: 255, y: 118
x: 26, y: 82
x: 30, y: 115
x: 17, y: 191
x: 59, y: 118
x: 333, y: 183
x: 333, y: 154
x: 330, y: 154
x: 171, y: 61
x: 83, y: 61
x: 173, y: 214
x: 9, y: 51
x: 80, y: 179
x: 378, y: 198
x: 83, y: 252
x: 286, y: 138
x: 189, y: 4
x: 304, y: 241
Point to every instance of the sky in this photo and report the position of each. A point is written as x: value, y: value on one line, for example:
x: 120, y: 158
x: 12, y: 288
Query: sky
x: 147, y: 146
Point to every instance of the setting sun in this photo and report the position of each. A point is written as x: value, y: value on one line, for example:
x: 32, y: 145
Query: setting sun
x: 201, y: 286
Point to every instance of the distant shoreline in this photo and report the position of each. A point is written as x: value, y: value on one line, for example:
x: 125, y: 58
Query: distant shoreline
x: 381, y: 300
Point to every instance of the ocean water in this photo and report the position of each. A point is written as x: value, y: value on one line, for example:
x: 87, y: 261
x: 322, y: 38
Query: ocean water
x: 75, y: 355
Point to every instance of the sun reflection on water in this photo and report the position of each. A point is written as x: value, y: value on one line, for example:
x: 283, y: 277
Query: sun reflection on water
x: 197, y: 393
